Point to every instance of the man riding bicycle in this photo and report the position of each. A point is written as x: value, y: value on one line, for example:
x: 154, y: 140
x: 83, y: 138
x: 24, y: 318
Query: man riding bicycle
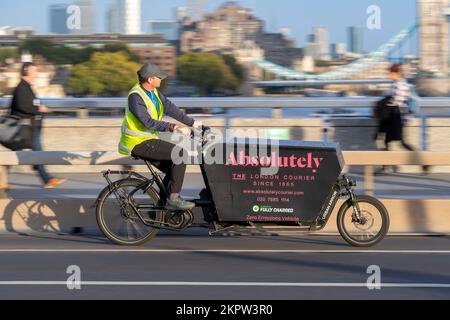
x: 143, y: 124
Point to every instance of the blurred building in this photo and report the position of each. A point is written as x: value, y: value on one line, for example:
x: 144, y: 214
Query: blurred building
x: 223, y: 30
x: 169, y: 29
x: 58, y: 19
x: 14, y: 32
x: 130, y: 10
x: 321, y: 39
x: 354, y: 36
x: 112, y: 18
x: 162, y: 55
x: 286, y: 32
x: 231, y: 28
x: 306, y: 64
x: 124, y: 16
x: 434, y: 52
x: 181, y: 15
x: 312, y: 49
x: 338, y: 50
x: 279, y: 49
x: 246, y: 55
x: 196, y: 9
x: 317, y: 44
x: 87, y: 19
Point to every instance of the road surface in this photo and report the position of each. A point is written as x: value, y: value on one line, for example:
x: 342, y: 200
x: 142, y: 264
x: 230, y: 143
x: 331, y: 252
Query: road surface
x: 194, y: 266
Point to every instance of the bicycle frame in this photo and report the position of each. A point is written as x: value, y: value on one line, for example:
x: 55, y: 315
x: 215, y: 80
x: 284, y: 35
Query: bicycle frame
x: 337, y: 193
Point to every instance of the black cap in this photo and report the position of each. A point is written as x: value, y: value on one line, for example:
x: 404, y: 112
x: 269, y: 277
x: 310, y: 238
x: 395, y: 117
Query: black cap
x: 149, y: 70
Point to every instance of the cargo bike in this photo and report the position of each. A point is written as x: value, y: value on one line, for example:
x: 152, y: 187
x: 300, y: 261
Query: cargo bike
x: 295, y: 186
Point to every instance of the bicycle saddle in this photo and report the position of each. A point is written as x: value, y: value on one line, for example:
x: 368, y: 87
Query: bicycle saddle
x: 152, y: 162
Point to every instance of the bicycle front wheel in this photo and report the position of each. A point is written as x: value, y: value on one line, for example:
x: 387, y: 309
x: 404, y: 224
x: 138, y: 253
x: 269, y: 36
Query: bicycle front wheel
x: 117, y: 219
x: 373, y: 226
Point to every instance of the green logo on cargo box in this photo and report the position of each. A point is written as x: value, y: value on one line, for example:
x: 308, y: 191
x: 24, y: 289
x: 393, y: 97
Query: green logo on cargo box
x: 255, y: 209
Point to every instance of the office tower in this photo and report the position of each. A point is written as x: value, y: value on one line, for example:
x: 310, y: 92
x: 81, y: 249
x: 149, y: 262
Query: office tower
x: 168, y: 28
x: 87, y: 18
x: 321, y: 39
x: 58, y: 19
x: 354, y: 39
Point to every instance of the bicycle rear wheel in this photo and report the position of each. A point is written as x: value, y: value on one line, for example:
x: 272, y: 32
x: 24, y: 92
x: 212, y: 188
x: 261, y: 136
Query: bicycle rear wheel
x: 117, y: 219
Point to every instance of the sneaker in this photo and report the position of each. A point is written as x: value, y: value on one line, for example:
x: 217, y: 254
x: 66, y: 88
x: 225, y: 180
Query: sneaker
x: 386, y: 170
x: 179, y: 204
x: 426, y: 170
x: 54, y: 183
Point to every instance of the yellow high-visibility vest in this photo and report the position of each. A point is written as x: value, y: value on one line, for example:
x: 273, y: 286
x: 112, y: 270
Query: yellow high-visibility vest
x: 133, y: 131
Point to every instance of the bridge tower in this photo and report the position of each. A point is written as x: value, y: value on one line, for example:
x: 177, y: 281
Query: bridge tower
x: 433, y: 35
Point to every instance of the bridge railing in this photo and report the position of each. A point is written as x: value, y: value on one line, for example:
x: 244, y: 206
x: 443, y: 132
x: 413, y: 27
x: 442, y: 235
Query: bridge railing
x: 92, y: 104
x: 428, y: 107
x: 367, y: 159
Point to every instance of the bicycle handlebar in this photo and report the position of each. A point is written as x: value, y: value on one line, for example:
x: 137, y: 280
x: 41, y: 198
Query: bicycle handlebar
x: 204, y: 132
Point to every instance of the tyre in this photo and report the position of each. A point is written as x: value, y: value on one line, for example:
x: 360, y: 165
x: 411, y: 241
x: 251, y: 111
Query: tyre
x: 373, y: 227
x: 118, y: 221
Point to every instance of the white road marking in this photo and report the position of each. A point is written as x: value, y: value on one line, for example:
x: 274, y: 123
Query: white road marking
x: 221, y: 251
x: 224, y: 284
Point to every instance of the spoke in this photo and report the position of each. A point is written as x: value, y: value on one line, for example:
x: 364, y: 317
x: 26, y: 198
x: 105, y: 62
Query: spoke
x: 122, y: 197
x: 371, y: 234
x: 136, y: 228
x: 128, y: 229
x: 373, y: 222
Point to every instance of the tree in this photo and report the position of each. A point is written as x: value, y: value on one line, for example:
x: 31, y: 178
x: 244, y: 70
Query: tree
x: 8, y: 54
x: 322, y: 63
x: 235, y: 67
x: 121, y: 47
x: 52, y: 52
x: 60, y: 54
x: 207, y: 71
x: 48, y: 50
x: 2, y: 88
x: 107, y: 74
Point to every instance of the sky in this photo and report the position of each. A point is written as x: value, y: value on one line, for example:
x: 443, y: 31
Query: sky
x: 300, y: 16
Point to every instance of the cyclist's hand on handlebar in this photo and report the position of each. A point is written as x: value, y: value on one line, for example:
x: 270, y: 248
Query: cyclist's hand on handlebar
x: 183, y: 130
x: 43, y: 109
x: 198, y: 125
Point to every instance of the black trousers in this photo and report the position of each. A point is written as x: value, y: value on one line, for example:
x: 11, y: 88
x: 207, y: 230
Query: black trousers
x: 160, y: 151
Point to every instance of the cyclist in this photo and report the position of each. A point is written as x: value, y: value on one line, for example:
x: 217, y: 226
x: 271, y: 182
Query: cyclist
x: 143, y: 124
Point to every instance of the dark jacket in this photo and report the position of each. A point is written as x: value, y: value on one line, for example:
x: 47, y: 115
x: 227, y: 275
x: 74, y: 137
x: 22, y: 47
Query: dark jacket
x: 139, y: 110
x: 25, y: 105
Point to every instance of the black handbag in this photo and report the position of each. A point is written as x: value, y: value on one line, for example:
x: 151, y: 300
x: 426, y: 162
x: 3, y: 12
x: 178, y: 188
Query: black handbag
x: 381, y: 111
x: 16, y: 133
